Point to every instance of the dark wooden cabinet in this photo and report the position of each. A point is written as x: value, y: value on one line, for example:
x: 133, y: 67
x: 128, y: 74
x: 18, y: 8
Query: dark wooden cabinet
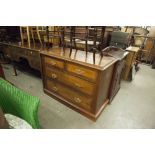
x: 116, y: 81
x: 120, y: 55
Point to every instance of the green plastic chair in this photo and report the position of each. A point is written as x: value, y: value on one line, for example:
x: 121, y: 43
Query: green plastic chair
x: 19, y: 103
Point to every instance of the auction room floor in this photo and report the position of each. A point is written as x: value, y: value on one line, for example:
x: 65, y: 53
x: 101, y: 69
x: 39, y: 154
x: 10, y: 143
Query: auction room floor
x: 133, y: 106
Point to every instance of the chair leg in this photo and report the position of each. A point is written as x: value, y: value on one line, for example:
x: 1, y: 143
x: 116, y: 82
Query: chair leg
x: 94, y: 56
x: 14, y: 69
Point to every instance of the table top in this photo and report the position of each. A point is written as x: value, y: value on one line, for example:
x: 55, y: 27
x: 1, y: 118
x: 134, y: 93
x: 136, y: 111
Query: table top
x: 80, y: 57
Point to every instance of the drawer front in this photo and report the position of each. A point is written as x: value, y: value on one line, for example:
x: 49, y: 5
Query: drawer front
x: 82, y: 71
x: 34, y: 54
x: 54, y: 62
x: 68, y: 94
x: 75, y: 82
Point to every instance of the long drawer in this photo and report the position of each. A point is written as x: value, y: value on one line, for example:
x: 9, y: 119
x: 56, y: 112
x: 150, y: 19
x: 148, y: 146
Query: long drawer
x: 82, y: 71
x: 67, y: 93
x: 75, y: 82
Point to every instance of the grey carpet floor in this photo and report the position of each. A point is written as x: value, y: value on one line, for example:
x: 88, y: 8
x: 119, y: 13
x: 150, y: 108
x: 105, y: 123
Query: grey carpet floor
x: 133, y: 106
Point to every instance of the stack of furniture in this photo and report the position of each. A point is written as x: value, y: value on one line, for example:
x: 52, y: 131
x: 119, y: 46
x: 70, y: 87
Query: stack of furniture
x: 86, y: 78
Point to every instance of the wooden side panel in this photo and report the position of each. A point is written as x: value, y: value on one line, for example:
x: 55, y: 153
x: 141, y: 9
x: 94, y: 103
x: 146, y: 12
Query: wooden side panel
x: 104, y: 86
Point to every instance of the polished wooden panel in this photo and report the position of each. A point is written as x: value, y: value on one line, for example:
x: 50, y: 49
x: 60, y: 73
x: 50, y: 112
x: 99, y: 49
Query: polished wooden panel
x: 82, y: 71
x: 69, y: 94
x: 54, y: 62
x: 75, y: 82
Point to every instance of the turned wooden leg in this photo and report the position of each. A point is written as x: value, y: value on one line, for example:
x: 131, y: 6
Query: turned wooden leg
x: 14, y: 69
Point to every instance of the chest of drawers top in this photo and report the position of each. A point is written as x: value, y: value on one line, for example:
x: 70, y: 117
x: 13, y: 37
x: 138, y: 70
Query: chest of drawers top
x: 80, y: 58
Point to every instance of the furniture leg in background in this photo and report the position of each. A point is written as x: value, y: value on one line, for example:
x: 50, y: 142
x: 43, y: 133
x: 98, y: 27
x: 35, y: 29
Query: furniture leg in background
x: 14, y: 69
x: 1, y: 72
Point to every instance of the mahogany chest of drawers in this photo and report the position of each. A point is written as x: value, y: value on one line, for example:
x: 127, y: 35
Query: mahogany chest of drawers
x: 76, y: 81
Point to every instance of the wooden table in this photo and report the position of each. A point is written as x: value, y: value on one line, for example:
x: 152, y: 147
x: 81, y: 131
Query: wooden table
x: 16, y: 52
x: 76, y: 81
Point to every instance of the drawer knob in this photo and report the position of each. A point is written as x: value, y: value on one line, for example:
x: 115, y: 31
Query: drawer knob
x: 77, y: 100
x: 54, y: 76
x: 55, y: 89
x: 77, y: 85
x: 79, y: 71
x: 53, y: 63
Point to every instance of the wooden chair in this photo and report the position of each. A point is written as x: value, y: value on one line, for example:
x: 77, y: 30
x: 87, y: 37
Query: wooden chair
x: 29, y: 33
x: 53, y: 35
x: 25, y: 34
x: 78, y: 34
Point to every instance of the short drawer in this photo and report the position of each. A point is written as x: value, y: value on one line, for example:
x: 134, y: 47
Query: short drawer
x: 69, y: 94
x: 75, y: 82
x: 82, y: 71
x: 34, y: 54
x: 54, y: 62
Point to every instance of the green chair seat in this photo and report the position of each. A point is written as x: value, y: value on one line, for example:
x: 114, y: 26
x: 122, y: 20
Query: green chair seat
x: 19, y: 103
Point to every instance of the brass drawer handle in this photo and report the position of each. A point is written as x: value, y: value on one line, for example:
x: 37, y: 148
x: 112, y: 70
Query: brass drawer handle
x: 77, y: 85
x: 55, y: 88
x: 77, y: 100
x: 53, y: 63
x: 79, y: 71
x: 54, y: 76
